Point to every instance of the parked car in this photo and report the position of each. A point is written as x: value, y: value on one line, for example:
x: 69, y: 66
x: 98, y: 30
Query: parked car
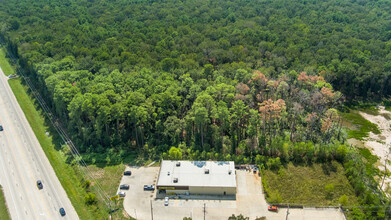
x: 166, y: 201
x: 122, y: 194
x: 125, y: 186
x: 39, y: 184
x: 62, y: 212
x: 127, y: 173
x: 149, y: 187
x: 272, y: 208
x: 1, y: 128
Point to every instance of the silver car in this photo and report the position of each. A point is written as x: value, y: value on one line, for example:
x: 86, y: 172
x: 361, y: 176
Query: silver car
x: 122, y: 194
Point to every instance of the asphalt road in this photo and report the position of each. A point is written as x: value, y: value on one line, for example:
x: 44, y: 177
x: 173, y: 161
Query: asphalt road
x: 23, y: 162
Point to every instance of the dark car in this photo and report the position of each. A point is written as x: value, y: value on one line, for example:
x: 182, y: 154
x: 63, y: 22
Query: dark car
x: 125, y: 186
x: 1, y: 128
x: 127, y: 173
x: 39, y: 184
x: 62, y: 212
x: 149, y: 187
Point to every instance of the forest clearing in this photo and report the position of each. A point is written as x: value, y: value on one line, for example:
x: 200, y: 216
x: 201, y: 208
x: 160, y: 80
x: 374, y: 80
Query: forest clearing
x: 380, y: 144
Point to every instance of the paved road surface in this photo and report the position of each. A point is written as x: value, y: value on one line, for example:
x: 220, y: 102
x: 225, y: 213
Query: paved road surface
x: 23, y: 162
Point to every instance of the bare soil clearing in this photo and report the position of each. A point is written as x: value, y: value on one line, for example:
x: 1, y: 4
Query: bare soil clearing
x: 379, y: 144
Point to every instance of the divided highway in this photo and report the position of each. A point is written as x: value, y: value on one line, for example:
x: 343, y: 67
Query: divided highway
x: 23, y: 162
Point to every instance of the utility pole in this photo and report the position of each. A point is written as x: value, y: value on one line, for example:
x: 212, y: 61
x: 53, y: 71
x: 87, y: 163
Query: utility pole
x: 287, y: 213
x: 204, y: 211
x: 111, y: 211
x: 151, y: 210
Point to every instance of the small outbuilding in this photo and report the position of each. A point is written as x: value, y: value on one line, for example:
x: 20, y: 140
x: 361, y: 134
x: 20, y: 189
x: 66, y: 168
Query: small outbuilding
x: 197, y: 178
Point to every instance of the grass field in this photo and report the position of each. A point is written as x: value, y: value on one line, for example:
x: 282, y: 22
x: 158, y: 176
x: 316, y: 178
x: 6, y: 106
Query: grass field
x: 361, y: 127
x: 4, y: 215
x: 306, y: 185
x: 109, y: 177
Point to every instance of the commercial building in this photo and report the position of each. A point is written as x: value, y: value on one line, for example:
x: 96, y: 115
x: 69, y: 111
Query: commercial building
x: 197, y: 178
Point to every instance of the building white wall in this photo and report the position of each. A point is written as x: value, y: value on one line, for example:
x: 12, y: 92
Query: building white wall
x: 168, y: 191
x: 212, y: 190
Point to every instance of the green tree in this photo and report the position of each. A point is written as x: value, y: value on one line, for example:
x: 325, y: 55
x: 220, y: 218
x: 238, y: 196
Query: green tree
x: 175, y: 153
x: 238, y: 112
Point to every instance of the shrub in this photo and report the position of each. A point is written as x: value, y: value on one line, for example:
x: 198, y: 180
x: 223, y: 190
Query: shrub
x: 343, y: 200
x: 87, y: 184
x: 274, y: 163
x: 90, y: 198
x: 329, y: 190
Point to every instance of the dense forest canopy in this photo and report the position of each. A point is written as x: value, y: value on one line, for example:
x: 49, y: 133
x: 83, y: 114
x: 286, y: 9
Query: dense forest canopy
x: 350, y: 40
x: 254, y: 81
x: 216, y: 76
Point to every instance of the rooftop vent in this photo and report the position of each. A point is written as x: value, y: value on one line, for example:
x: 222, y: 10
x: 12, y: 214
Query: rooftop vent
x: 175, y: 180
x: 206, y: 171
x: 168, y: 173
x: 178, y: 164
x: 229, y: 172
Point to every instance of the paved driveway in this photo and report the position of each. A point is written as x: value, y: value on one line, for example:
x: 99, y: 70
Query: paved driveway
x: 250, y: 201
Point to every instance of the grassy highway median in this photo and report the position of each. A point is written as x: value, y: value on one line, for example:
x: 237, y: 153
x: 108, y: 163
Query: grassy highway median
x: 4, y: 215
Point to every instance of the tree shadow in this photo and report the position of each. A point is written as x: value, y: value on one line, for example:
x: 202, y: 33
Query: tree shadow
x: 328, y: 168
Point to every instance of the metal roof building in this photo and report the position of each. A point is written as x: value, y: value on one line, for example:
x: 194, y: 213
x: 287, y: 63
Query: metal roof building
x: 197, y: 177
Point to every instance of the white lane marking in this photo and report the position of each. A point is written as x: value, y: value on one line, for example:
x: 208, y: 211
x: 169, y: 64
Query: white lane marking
x: 36, y: 146
x: 10, y: 191
x: 17, y: 165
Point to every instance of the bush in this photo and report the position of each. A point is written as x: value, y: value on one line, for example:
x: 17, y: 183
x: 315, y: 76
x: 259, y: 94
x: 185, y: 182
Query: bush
x: 87, y: 184
x: 342, y: 150
x: 329, y: 191
x: 274, y: 163
x: 90, y: 198
x: 343, y: 200
x: 239, y: 217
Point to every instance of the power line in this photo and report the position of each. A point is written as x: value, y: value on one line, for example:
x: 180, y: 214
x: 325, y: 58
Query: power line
x: 62, y: 133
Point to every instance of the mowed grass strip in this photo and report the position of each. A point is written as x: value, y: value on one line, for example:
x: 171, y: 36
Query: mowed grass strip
x: 306, y: 185
x: 4, y: 215
x: 364, y: 126
x: 5, y: 65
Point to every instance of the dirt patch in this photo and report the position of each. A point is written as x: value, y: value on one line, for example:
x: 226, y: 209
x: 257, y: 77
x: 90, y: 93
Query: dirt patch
x: 98, y: 174
x: 355, y: 142
x: 379, y: 144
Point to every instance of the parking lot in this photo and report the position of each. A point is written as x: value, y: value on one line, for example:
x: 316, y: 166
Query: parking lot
x: 250, y: 201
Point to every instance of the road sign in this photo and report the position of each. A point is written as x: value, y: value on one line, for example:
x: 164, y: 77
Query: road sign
x: 114, y: 197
